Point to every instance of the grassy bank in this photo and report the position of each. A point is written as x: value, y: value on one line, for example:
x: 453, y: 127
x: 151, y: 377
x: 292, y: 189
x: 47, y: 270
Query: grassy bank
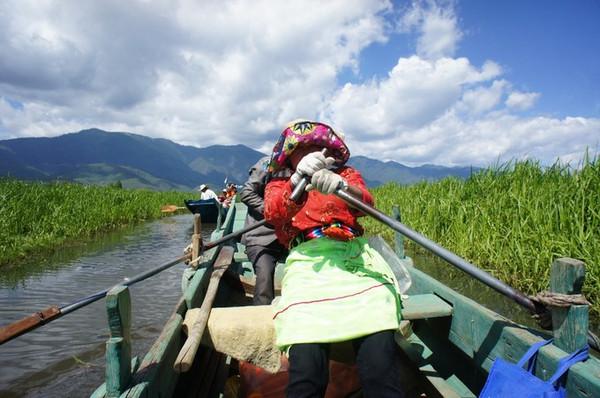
x: 512, y: 220
x: 39, y: 216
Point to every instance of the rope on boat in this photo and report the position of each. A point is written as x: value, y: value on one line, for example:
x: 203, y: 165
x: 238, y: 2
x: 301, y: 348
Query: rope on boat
x: 193, y: 262
x: 189, y: 261
x: 552, y: 299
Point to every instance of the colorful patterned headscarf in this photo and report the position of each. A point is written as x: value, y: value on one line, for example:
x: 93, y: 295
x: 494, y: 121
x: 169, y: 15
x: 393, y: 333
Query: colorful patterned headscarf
x: 303, y: 133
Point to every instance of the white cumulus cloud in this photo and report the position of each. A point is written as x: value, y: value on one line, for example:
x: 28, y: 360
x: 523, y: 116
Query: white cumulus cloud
x: 436, y: 26
x: 521, y: 101
x: 196, y: 72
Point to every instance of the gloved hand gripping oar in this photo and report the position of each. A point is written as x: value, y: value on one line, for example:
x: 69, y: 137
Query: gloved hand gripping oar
x: 301, y: 186
x: 43, y: 317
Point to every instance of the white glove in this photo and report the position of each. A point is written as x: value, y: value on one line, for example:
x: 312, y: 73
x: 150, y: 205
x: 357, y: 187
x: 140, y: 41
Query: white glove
x: 309, y: 164
x: 325, y: 181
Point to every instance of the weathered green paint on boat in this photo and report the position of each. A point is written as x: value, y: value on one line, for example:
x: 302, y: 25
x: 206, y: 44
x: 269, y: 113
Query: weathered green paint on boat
x: 454, y: 340
x: 118, y: 346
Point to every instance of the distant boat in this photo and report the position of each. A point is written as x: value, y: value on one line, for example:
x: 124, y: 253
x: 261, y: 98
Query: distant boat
x: 209, y: 209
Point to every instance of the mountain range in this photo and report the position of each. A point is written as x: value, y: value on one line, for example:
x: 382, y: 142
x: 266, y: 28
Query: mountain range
x: 95, y: 156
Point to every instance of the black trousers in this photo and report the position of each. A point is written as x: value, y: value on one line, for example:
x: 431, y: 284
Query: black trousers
x: 264, y: 259
x: 377, y: 358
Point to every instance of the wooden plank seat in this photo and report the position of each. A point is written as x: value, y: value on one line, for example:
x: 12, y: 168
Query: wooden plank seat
x: 422, y: 306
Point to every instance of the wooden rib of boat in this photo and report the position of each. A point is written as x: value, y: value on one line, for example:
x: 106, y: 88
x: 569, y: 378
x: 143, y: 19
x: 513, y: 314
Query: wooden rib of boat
x: 451, y: 343
x: 209, y: 209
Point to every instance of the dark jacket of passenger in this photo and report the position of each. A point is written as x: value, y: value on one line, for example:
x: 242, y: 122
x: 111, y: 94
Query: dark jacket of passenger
x: 252, y: 195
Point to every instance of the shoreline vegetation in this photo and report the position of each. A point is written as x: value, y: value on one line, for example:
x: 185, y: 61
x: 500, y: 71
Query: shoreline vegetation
x: 38, y: 217
x: 512, y: 220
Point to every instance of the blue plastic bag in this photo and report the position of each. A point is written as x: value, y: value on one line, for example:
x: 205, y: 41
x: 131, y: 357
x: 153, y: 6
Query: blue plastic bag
x: 512, y: 380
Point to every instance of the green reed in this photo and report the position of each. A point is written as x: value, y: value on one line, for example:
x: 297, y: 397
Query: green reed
x: 38, y: 216
x: 512, y: 220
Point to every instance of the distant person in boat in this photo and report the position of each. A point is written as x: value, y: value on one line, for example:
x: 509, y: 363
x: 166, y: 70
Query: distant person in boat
x: 223, y: 195
x: 206, y: 192
x: 335, y: 286
x: 262, y: 247
x: 224, y: 199
x: 231, y: 190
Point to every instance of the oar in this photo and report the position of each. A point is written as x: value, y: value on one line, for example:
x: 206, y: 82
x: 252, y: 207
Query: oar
x: 186, y: 356
x: 447, y: 255
x: 452, y: 258
x: 43, y: 317
x: 235, y: 234
x: 459, y: 262
x: 51, y: 313
x: 171, y: 208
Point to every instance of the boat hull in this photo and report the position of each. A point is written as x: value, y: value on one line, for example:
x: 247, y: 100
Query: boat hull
x: 451, y: 343
x: 209, y: 209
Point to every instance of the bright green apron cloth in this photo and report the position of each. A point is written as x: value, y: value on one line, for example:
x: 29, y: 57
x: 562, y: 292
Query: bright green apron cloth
x: 335, y: 291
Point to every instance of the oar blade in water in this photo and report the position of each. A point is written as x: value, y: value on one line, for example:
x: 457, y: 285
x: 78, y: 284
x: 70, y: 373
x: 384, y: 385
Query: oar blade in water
x: 171, y: 208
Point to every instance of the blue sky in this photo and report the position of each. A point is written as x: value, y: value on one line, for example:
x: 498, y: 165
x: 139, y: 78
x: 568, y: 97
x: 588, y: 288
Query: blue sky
x: 443, y: 82
x: 547, y: 46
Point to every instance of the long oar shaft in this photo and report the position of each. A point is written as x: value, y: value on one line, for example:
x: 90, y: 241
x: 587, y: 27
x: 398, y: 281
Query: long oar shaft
x: 447, y: 255
x: 232, y: 235
x: 130, y: 281
x: 52, y: 313
x: 186, y: 355
x: 453, y: 259
x: 38, y: 319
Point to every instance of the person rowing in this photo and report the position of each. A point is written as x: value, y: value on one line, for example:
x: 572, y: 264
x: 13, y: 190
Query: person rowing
x: 335, y: 287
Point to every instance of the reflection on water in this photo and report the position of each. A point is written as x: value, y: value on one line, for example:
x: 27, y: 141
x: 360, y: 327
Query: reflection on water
x: 61, y: 257
x: 66, y: 357
x: 477, y: 291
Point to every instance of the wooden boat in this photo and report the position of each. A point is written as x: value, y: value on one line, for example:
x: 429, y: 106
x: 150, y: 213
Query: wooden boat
x: 209, y: 209
x: 450, y: 342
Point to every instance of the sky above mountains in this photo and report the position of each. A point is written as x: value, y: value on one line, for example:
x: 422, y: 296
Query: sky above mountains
x: 442, y: 82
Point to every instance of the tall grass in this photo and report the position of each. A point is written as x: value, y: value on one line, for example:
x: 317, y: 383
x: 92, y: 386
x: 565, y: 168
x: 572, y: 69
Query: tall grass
x: 38, y: 216
x: 512, y: 220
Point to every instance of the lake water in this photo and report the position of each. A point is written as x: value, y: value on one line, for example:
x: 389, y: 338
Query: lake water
x: 66, y: 357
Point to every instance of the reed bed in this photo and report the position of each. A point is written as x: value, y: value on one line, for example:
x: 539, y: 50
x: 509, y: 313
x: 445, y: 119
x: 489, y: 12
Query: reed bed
x: 37, y: 216
x: 512, y: 220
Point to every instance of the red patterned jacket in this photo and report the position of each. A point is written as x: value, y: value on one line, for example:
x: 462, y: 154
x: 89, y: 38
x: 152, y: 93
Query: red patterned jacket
x: 289, y: 218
